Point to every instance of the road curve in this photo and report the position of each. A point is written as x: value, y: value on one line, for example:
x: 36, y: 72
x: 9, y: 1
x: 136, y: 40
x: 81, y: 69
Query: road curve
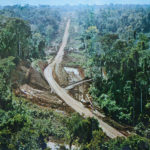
x: 76, y: 105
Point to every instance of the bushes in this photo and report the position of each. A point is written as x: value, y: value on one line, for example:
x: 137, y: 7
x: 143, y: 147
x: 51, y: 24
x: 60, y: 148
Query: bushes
x: 23, y: 126
x: 110, y: 107
x: 133, y: 142
x: 126, y: 59
x: 124, y: 94
x: 97, y: 141
x: 80, y: 129
x: 101, y: 142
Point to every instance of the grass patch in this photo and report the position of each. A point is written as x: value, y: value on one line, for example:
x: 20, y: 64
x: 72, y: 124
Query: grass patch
x: 75, y: 60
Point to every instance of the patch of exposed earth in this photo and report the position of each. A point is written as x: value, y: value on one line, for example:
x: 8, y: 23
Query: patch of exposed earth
x: 30, y: 84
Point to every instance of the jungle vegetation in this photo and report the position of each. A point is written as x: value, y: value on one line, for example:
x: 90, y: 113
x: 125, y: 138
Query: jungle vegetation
x: 116, y: 43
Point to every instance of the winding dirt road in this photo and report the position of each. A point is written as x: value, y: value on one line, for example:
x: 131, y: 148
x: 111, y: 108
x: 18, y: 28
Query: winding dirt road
x: 77, y: 106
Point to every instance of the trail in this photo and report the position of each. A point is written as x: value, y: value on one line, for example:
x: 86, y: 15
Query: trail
x: 69, y: 87
x: 76, y: 105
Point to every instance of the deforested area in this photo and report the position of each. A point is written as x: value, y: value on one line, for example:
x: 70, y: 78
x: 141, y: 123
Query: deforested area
x: 75, y: 75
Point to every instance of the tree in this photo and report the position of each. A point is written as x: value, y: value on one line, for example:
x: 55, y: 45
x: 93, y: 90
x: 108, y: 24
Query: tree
x: 80, y: 129
x: 97, y: 141
x: 15, y: 38
x: 133, y: 142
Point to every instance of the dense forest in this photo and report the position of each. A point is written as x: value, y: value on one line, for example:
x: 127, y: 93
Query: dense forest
x: 112, y: 45
x: 118, y: 61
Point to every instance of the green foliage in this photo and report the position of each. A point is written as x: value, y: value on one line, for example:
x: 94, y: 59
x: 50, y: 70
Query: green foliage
x: 23, y: 126
x: 76, y: 60
x: 123, y: 91
x: 131, y: 143
x: 43, y: 20
x: 97, y: 141
x: 24, y: 33
x: 6, y: 66
x: 81, y: 129
x: 14, y: 38
x: 27, y: 128
x: 117, y: 58
x: 118, y: 55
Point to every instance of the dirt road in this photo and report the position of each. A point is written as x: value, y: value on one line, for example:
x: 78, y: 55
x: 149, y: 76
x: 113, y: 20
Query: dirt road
x: 77, y: 106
